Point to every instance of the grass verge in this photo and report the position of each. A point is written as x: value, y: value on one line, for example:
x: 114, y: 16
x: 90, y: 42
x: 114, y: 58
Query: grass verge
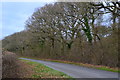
x: 42, y: 71
x: 100, y: 67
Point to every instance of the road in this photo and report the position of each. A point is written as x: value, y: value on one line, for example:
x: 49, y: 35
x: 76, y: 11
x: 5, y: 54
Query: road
x: 77, y: 71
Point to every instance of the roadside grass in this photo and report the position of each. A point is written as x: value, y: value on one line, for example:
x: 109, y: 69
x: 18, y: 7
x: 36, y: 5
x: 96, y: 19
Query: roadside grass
x: 100, y: 67
x: 42, y: 71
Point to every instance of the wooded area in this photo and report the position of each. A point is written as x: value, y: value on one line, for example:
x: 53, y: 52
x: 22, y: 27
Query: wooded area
x: 84, y: 32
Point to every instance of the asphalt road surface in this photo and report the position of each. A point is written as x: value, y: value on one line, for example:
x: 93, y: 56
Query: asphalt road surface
x: 77, y: 71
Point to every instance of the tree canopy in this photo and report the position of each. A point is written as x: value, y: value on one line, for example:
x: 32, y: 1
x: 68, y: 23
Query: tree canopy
x: 74, y: 31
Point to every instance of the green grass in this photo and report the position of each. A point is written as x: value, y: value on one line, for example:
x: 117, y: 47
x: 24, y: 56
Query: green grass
x: 106, y: 68
x: 42, y: 71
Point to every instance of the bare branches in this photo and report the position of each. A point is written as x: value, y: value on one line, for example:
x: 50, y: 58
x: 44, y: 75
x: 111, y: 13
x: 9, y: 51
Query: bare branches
x: 113, y: 7
x: 67, y: 30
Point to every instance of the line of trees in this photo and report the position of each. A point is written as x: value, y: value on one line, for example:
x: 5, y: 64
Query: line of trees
x: 84, y: 32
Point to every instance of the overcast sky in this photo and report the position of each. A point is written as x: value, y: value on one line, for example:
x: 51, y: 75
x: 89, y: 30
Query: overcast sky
x: 14, y: 15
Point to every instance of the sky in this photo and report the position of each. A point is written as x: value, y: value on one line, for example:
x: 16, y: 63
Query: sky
x: 14, y: 15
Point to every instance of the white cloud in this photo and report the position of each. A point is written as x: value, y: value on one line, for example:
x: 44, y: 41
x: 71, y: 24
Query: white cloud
x: 16, y: 22
x: 56, y: 0
x: 0, y: 20
x: 28, y: 0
